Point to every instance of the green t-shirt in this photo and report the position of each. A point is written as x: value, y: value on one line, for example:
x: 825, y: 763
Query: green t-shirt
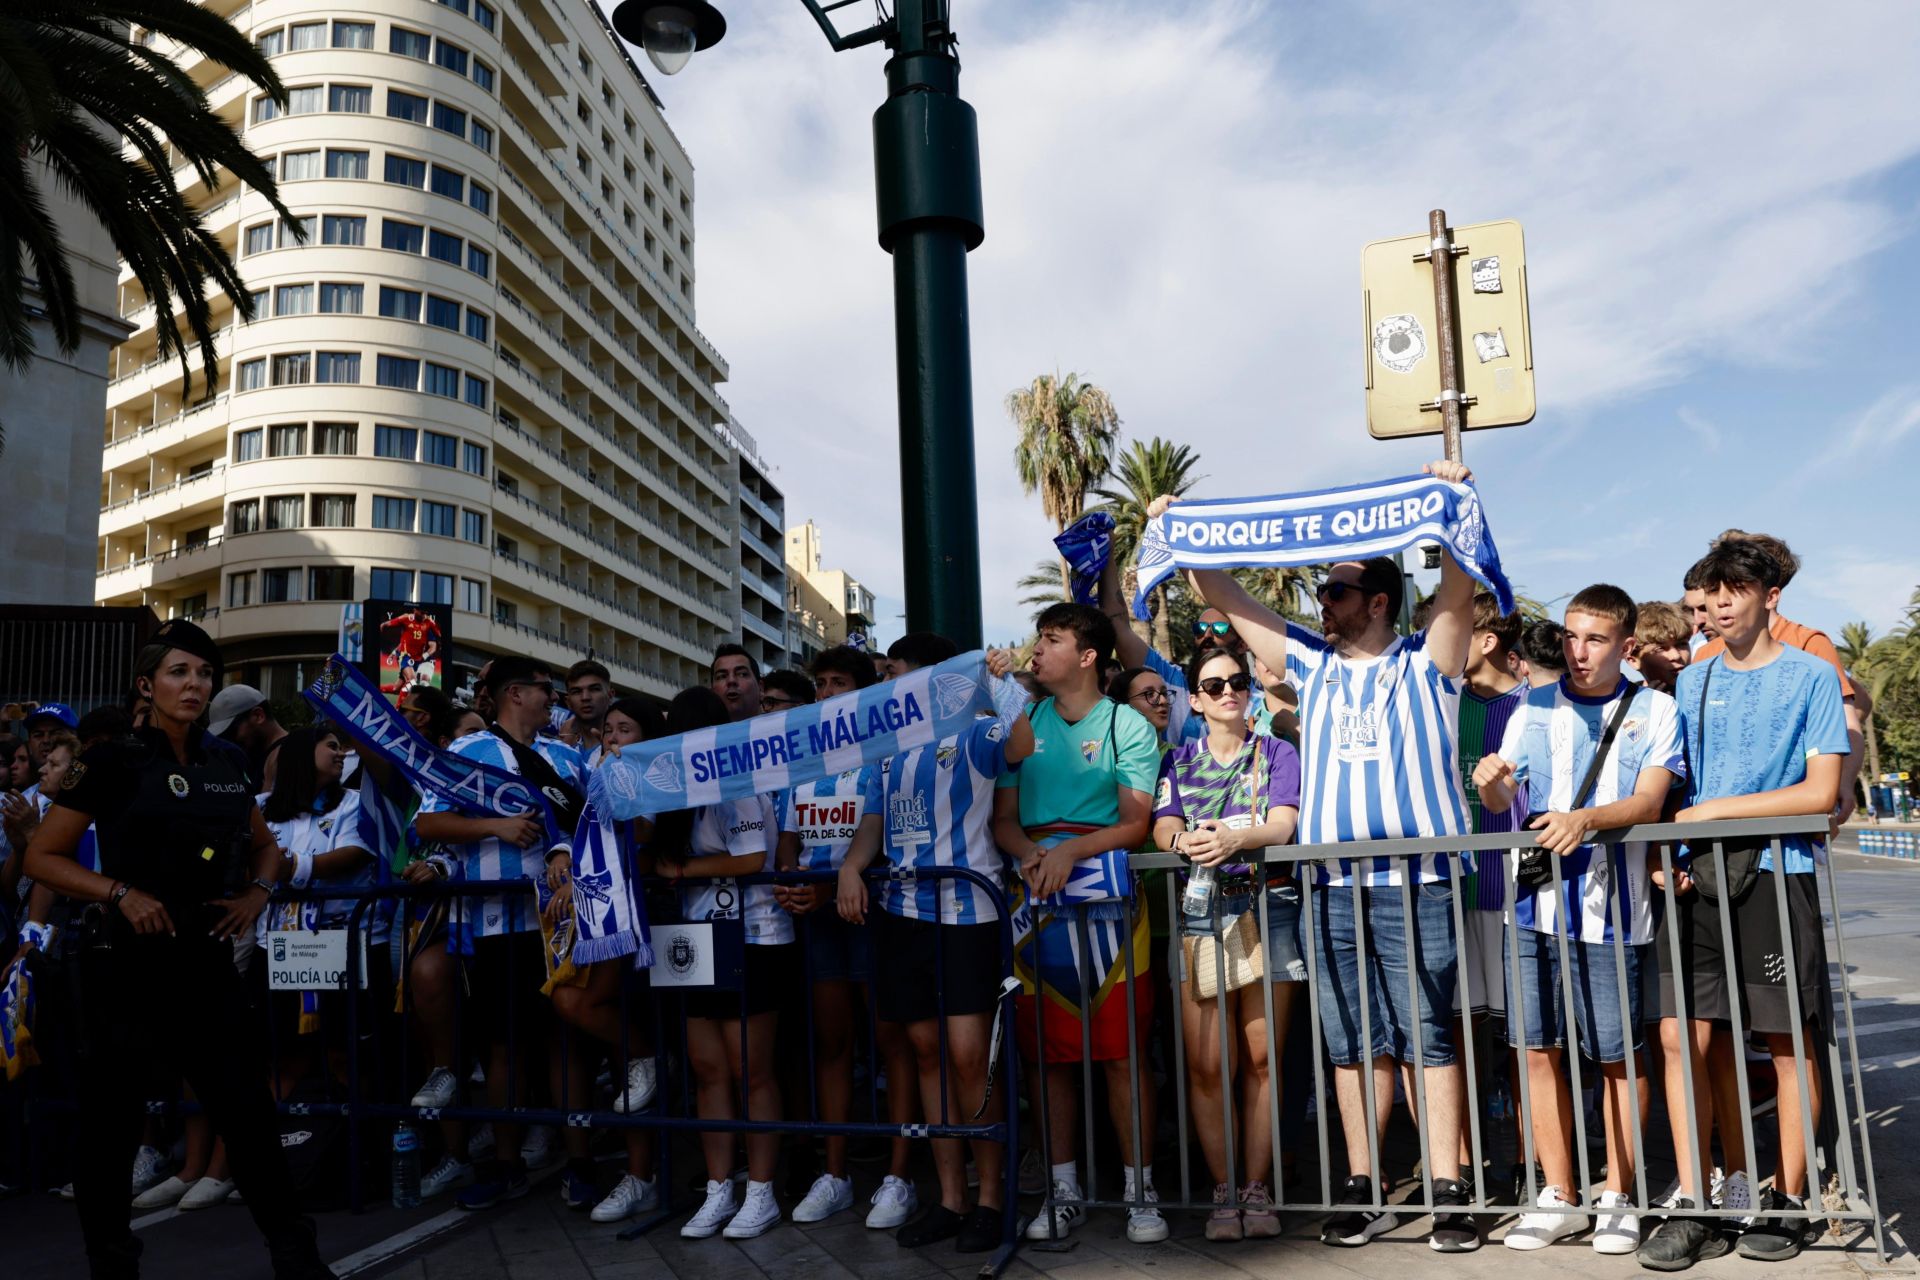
x: 1075, y: 769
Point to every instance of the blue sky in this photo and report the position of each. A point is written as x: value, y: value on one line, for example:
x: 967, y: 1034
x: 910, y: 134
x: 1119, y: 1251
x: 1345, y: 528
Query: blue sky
x: 1721, y: 205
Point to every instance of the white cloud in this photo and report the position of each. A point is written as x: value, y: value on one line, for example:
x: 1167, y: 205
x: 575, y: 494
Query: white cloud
x: 1883, y: 424
x: 1868, y: 586
x: 1176, y: 197
x: 1704, y: 430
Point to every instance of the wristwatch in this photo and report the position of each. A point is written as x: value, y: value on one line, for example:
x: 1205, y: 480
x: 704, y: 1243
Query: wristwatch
x: 259, y: 882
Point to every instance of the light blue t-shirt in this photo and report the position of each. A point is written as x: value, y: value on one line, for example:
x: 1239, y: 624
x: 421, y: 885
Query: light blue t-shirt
x: 1759, y: 729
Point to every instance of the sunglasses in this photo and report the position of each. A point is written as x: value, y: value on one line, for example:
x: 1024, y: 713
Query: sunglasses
x: 1150, y: 695
x: 1222, y: 629
x: 1214, y: 686
x: 1335, y: 592
x: 776, y: 701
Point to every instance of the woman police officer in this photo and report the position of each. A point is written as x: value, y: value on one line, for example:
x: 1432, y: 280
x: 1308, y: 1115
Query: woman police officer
x: 186, y: 865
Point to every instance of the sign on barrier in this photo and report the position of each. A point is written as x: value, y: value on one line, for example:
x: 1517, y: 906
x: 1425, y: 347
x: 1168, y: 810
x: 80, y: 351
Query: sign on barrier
x: 310, y: 960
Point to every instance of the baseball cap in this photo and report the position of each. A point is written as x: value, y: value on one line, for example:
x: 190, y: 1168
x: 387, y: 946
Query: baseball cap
x: 230, y: 704
x: 53, y: 711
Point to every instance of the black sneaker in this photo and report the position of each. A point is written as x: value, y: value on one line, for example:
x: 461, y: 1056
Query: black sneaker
x: 981, y: 1232
x: 936, y: 1224
x: 1680, y: 1241
x: 1453, y: 1232
x: 1776, y: 1239
x: 1354, y: 1228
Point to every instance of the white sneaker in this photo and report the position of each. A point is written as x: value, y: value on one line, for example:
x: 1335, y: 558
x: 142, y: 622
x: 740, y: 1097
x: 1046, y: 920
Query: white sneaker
x: 638, y: 1095
x: 205, y: 1194
x: 827, y: 1196
x: 162, y: 1195
x: 1669, y: 1199
x: 719, y: 1207
x: 65, y: 1192
x: 1538, y: 1230
x: 1145, y: 1225
x: 1065, y: 1217
x: 1735, y: 1191
x: 628, y: 1197
x: 147, y: 1164
x: 1616, y: 1229
x: 894, y: 1204
x: 537, y: 1149
x: 438, y: 1091
x: 760, y: 1212
x: 445, y: 1176
x: 480, y: 1143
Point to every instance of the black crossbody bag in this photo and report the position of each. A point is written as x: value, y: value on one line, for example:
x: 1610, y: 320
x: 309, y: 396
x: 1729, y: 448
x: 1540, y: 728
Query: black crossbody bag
x: 1534, y: 869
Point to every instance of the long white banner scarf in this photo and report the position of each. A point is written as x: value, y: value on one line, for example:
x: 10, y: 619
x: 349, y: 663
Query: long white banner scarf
x: 788, y: 748
x: 608, y: 921
x: 1353, y: 523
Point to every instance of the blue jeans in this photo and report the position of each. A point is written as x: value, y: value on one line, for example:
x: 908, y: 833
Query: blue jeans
x: 1597, y: 1012
x: 1285, y: 963
x: 1392, y: 1011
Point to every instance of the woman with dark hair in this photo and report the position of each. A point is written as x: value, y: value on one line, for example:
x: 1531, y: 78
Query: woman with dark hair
x: 431, y: 712
x: 187, y: 864
x: 714, y: 843
x: 1143, y: 689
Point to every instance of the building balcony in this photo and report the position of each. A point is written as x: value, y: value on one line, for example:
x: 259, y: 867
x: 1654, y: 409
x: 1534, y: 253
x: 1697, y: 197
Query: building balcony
x: 199, y: 559
x: 773, y: 633
x: 190, y: 428
x: 167, y: 502
x: 656, y: 629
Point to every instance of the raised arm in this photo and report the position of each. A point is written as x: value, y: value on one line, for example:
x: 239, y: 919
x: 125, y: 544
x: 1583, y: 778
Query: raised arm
x: 1128, y: 647
x: 1451, y: 630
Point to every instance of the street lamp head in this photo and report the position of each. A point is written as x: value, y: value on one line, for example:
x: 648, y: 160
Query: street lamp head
x: 671, y: 31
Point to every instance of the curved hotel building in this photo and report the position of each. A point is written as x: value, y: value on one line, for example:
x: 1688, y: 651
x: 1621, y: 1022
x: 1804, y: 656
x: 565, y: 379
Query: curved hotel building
x: 476, y: 381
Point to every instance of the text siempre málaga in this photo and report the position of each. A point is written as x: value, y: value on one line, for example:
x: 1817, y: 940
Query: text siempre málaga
x: 847, y: 728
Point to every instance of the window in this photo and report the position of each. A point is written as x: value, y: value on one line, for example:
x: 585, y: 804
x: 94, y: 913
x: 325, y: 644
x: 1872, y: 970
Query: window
x: 239, y: 590
x: 393, y: 513
x: 505, y: 483
x: 259, y: 304
x: 394, y: 442
x: 449, y: 182
x: 407, y: 237
x: 340, y: 228
x: 307, y: 35
x: 397, y: 371
x: 476, y: 325
x: 444, y: 247
x: 253, y: 375
x: 353, y: 35
x: 504, y: 611
x: 626, y: 123
x: 278, y: 586
x: 271, y: 43
x: 443, y: 312
x: 628, y: 171
x: 442, y: 381
x: 335, y: 437
x: 581, y: 111
x: 357, y: 98
x: 283, y: 512
x: 293, y: 300
x: 341, y: 299
x: 287, y: 440
x: 246, y: 445
x: 483, y: 137
x: 293, y: 369
x: 404, y: 172
x: 296, y: 166
x: 408, y: 44
x: 450, y: 119
x: 473, y: 596
x: 406, y: 106
x: 480, y: 198
x: 473, y: 527
x: 458, y: 6
x: 392, y: 584
x: 473, y: 458
x: 298, y: 230
x: 483, y: 75
x: 193, y: 606
x: 259, y: 239
x: 606, y: 192
x: 476, y: 393
x: 436, y: 588
x: 399, y: 304
x: 626, y: 216
x: 506, y: 546
x: 440, y: 447
x: 336, y: 366
x: 586, y: 66
x: 333, y: 510
x: 244, y: 517
x: 437, y: 518
x: 330, y: 582
x: 451, y: 56
x: 347, y: 164
x: 582, y: 163
x: 479, y: 261
x: 483, y: 14
x: 306, y: 100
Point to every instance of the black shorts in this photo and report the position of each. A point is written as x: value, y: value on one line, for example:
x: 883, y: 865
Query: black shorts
x: 771, y: 977
x: 279, y: 1011
x: 504, y: 977
x: 922, y: 969
x: 1759, y: 956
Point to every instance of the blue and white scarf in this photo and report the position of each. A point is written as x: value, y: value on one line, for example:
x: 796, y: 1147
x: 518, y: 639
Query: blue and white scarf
x: 609, y: 920
x: 1085, y: 545
x: 787, y: 748
x: 1353, y: 523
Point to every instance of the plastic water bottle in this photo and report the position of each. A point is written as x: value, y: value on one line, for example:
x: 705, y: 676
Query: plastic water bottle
x: 1500, y: 1098
x: 406, y: 1166
x: 1198, y: 899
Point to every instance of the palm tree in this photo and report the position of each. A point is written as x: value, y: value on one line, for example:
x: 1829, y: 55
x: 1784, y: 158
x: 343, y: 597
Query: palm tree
x: 1291, y: 593
x: 73, y: 89
x: 1142, y: 473
x: 1042, y: 587
x: 1067, y: 431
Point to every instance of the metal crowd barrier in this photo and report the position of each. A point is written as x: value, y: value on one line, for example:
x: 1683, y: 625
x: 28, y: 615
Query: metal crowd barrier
x: 1848, y: 1194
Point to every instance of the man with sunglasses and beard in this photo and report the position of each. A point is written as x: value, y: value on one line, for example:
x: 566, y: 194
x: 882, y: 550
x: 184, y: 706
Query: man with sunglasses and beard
x: 1379, y: 718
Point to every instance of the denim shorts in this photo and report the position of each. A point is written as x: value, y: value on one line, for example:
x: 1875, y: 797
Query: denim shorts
x: 837, y: 950
x: 1285, y: 963
x: 1391, y: 1010
x: 1540, y: 1006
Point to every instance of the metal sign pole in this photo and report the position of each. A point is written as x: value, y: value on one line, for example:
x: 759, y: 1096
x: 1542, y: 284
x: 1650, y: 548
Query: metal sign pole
x: 1453, y: 401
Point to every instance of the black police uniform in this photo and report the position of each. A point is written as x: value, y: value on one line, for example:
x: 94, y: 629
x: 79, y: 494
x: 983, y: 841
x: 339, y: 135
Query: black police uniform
x: 155, y: 1008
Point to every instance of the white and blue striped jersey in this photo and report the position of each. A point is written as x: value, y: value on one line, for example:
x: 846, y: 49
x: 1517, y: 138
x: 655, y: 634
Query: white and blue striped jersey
x: 936, y: 810
x: 315, y: 833
x: 1379, y: 746
x: 491, y: 859
x: 1550, y: 742
x: 825, y: 814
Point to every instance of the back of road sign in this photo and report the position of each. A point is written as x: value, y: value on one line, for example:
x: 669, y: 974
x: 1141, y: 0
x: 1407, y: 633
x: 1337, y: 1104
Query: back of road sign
x: 1403, y: 350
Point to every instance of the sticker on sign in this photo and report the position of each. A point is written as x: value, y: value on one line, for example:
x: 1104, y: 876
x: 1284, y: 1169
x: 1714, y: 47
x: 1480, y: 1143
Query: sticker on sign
x: 311, y: 960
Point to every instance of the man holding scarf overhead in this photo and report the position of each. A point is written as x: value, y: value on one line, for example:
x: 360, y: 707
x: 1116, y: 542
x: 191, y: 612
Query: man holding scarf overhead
x: 1379, y: 716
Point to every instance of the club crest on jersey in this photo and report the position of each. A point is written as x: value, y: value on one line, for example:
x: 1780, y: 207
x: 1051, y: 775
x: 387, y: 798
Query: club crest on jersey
x: 1633, y: 728
x: 1089, y: 749
x: 945, y: 755
x: 952, y: 692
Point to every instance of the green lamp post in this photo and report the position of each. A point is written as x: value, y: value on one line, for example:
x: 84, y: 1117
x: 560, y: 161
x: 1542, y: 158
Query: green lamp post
x: 926, y: 155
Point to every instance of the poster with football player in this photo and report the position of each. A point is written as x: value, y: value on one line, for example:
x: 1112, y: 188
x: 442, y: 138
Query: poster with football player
x: 407, y: 644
